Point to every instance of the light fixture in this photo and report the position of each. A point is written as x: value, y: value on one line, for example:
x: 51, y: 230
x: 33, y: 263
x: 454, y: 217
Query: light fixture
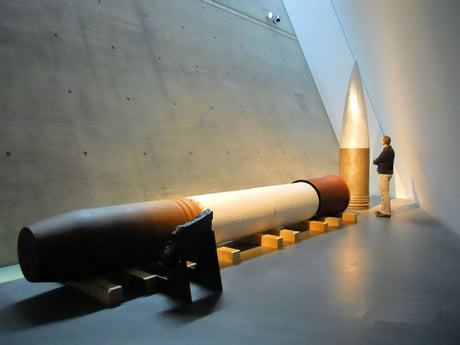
x: 274, y: 18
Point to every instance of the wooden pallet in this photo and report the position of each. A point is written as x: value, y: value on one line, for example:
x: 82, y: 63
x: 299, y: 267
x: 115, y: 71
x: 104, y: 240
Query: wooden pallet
x: 112, y: 292
x: 277, y: 239
x: 140, y: 281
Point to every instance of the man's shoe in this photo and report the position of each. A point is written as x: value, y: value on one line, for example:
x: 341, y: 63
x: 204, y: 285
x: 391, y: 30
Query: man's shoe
x: 380, y: 214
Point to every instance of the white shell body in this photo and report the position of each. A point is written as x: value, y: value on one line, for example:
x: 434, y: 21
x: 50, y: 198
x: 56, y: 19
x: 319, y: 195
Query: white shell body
x: 242, y: 213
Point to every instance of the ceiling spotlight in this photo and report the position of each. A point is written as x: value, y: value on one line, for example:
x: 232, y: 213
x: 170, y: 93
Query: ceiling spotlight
x: 274, y: 18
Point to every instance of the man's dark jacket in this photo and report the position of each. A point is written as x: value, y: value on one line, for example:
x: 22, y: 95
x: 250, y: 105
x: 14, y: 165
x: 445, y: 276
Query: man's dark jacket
x: 385, y: 161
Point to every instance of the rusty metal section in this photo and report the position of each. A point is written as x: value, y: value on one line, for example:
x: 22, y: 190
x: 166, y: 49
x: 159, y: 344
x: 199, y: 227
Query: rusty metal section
x: 333, y: 193
x: 86, y: 243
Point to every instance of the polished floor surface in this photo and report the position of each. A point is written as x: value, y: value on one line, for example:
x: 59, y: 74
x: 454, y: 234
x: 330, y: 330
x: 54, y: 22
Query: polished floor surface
x: 380, y: 281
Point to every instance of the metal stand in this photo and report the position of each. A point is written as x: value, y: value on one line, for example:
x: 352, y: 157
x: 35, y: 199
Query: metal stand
x: 190, y: 256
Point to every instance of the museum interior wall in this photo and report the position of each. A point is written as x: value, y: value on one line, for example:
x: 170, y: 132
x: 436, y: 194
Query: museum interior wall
x: 408, y: 53
x: 112, y: 102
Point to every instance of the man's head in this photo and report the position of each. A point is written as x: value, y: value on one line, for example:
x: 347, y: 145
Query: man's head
x: 386, y: 140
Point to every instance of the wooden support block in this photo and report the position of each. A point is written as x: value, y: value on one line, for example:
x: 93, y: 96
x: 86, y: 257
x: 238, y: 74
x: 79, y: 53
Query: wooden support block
x: 350, y: 217
x: 191, y: 265
x: 228, y: 255
x: 290, y: 236
x: 271, y: 241
x: 334, y: 222
x: 316, y: 225
x: 110, y: 294
x: 149, y: 282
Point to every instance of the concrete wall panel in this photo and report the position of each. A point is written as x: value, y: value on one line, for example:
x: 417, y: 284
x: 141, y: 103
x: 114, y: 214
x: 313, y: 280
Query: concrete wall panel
x: 110, y: 102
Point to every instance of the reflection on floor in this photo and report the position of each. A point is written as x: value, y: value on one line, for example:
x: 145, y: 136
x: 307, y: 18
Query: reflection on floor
x: 380, y: 281
x: 10, y: 273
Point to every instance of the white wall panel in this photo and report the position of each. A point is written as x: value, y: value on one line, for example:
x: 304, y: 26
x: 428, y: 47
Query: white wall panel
x: 408, y: 53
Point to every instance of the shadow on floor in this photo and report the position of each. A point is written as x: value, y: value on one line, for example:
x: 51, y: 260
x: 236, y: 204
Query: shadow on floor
x: 63, y: 303
x: 200, y: 307
x: 51, y: 306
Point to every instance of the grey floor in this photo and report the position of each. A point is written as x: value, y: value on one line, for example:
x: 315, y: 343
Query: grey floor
x: 381, y: 281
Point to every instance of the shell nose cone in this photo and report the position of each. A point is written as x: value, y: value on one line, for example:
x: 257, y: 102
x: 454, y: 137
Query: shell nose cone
x: 355, y: 132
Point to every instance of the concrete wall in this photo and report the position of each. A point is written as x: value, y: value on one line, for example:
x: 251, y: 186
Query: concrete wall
x: 110, y: 102
x: 409, y: 54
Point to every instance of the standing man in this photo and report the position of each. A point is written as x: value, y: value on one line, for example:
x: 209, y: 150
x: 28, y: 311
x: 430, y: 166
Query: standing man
x: 384, y: 164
